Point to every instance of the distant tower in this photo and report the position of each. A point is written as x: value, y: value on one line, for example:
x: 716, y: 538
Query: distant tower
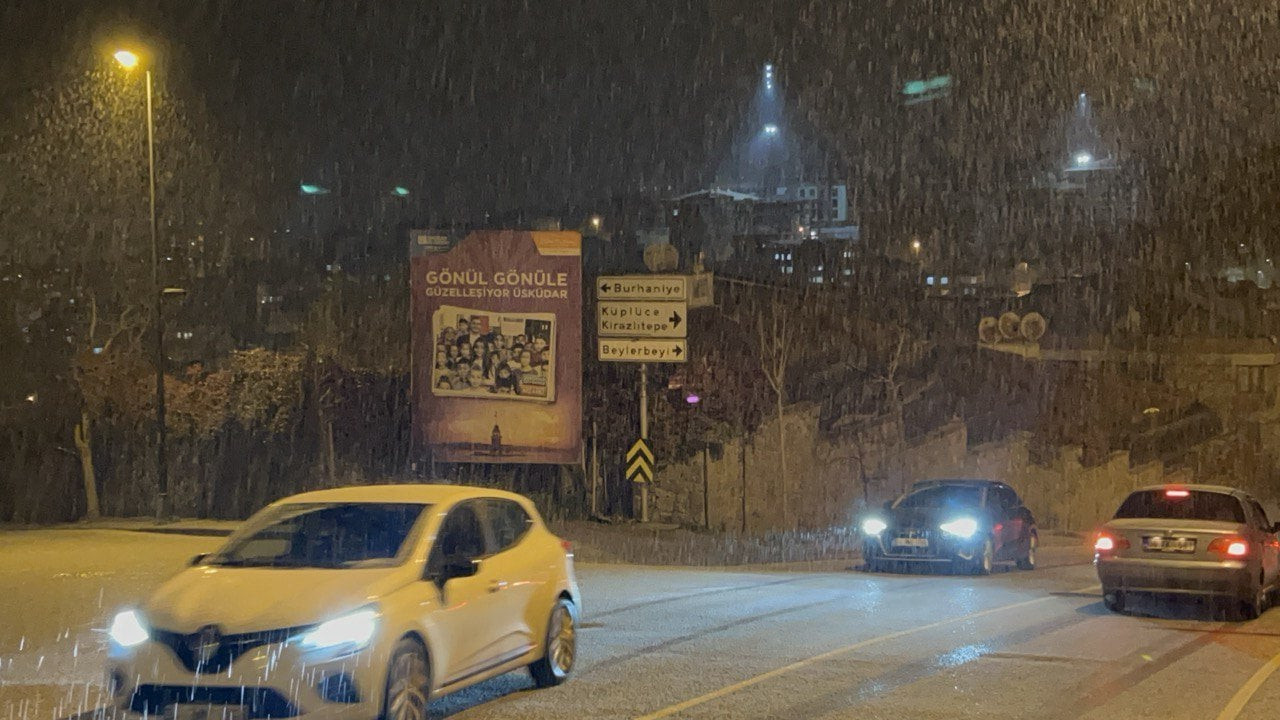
x: 1084, y: 143
x: 763, y: 147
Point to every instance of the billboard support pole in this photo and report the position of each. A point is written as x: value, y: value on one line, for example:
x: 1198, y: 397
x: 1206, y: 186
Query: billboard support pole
x: 595, y: 472
x: 644, y: 435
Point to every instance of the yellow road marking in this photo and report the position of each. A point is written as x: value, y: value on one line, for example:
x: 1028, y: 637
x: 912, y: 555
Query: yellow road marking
x: 1246, y: 691
x: 735, y: 687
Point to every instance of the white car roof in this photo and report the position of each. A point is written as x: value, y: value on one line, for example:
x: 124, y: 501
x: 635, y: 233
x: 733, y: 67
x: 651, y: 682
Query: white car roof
x: 428, y: 494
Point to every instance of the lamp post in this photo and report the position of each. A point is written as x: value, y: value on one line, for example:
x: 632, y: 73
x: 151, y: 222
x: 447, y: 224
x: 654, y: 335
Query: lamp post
x: 129, y: 60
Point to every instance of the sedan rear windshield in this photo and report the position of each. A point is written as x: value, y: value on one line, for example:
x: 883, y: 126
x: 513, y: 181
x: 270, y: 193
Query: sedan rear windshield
x: 1196, y: 505
x: 324, y: 535
x: 943, y: 496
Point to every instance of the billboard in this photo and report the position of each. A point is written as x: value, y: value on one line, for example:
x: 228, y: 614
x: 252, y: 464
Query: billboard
x: 497, y: 345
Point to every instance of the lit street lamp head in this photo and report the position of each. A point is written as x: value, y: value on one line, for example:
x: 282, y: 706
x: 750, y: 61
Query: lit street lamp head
x: 127, y: 60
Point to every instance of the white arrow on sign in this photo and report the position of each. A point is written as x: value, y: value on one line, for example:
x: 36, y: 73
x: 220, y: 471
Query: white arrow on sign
x: 642, y: 287
x: 639, y: 319
x: 642, y: 351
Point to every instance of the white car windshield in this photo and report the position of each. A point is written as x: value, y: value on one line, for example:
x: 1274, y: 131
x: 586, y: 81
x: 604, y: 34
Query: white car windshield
x: 324, y: 535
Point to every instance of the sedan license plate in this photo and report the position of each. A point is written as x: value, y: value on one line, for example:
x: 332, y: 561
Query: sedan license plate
x: 210, y: 712
x: 1158, y: 543
x: 910, y: 542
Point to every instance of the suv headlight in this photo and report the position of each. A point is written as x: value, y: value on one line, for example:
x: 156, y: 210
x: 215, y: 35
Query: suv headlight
x: 873, y: 526
x: 354, y: 629
x: 128, y: 629
x: 962, y: 527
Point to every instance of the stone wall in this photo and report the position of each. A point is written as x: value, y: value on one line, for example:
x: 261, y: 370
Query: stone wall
x: 1218, y: 385
x: 830, y: 483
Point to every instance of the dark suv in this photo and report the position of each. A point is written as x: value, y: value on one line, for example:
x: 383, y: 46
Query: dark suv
x: 969, y: 525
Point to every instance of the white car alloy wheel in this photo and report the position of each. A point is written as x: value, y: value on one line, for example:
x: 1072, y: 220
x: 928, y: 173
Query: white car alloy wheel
x: 408, y: 683
x: 563, y: 641
x: 561, y: 647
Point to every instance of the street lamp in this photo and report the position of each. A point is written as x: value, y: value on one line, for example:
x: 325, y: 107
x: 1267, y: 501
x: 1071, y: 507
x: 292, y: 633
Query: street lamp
x: 129, y: 60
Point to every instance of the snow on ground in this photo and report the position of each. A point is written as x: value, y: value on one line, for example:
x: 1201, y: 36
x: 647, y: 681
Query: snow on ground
x: 59, y: 589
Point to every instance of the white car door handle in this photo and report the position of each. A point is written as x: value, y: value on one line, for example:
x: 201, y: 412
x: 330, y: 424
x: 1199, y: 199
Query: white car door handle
x: 497, y: 585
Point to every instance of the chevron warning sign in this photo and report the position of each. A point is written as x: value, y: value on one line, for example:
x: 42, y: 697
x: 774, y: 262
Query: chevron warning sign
x: 640, y: 462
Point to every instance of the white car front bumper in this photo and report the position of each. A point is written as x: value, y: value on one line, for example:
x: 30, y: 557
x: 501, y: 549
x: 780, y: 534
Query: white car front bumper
x: 276, y: 680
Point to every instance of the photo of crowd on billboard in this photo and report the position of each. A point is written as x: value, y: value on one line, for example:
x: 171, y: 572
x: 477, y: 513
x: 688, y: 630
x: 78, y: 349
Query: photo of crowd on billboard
x: 493, y: 355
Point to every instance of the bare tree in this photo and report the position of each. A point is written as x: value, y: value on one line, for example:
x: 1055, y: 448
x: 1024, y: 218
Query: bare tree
x: 893, y: 387
x: 776, y: 334
x: 92, y: 377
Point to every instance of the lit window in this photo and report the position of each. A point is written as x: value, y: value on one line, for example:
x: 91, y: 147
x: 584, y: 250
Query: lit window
x: 944, y: 279
x: 819, y: 268
x: 847, y: 271
x: 928, y: 280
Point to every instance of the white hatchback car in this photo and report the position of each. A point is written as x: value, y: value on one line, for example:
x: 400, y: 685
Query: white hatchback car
x: 359, y: 602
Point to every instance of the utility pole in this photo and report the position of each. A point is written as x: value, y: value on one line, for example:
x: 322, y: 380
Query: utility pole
x: 157, y: 298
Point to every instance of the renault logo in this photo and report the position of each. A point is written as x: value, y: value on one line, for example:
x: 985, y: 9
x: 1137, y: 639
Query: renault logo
x: 204, y: 645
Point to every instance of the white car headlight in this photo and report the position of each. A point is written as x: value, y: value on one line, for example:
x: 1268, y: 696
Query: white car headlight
x: 128, y: 629
x: 355, y: 629
x: 963, y: 527
x: 873, y: 526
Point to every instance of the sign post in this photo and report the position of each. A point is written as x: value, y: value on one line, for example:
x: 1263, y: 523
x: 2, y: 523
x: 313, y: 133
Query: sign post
x: 644, y: 319
x: 644, y: 441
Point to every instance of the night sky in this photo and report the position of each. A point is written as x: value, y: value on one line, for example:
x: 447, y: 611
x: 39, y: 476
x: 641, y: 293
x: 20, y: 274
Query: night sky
x: 502, y: 105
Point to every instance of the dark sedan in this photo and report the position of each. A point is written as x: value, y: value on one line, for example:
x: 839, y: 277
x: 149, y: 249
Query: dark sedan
x: 968, y: 525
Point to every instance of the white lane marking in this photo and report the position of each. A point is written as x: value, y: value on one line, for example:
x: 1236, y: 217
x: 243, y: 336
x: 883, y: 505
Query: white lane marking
x: 1246, y: 691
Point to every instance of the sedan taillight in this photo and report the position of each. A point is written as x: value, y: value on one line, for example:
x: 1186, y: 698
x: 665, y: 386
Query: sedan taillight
x: 1108, y: 542
x: 1230, y: 547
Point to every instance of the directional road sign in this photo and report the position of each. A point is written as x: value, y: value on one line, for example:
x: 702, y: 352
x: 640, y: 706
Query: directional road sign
x: 642, y: 287
x: 640, y: 462
x: 642, y: 350
x: 640, y: 319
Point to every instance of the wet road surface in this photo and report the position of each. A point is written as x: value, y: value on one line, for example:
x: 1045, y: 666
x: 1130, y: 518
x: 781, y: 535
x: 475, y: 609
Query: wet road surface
x: 661, y: 642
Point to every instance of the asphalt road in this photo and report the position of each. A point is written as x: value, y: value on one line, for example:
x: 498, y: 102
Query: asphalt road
x: 716, y: 644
